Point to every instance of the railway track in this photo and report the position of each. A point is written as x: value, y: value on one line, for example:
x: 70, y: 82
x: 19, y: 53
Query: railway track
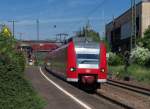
x: 137, y: 89
x: 106, y: 97
x: 124, y: 102
x: 125, y: 106
x: 95, y: 93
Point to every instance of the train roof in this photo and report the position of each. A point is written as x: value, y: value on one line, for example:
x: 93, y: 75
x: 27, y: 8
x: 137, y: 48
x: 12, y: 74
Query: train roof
x: 85, y: 42
x: 87, y: 45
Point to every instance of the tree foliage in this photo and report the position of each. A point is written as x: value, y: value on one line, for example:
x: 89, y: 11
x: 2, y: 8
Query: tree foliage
x: 94, y: 35
x: 115, y: 59
x: 6, y: 32
x: 15, y: 91
x: 89, y: 33
x: 145, y: 41
x: 140, y: 56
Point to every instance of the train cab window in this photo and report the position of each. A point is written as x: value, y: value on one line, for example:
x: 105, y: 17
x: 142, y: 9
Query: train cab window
x: 88, y: 58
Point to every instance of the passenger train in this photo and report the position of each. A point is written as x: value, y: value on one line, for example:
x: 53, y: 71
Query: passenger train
x: 83, y: 63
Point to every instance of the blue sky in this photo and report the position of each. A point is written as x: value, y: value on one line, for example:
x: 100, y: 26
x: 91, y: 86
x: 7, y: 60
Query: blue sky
x: 68, y: 15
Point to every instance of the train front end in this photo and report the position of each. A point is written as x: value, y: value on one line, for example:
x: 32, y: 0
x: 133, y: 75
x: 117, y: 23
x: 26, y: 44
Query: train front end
x: 87, y: 65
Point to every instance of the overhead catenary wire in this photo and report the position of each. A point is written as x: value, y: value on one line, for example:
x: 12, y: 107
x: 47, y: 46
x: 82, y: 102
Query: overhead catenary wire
x: 86, y: 17
x: 91, y: 13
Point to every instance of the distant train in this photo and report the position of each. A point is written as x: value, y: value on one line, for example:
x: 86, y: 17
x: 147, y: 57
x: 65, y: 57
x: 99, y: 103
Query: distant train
x: 79, y: 62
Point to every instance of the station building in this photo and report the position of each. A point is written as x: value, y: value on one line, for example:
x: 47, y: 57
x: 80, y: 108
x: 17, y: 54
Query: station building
x: 118, y: 31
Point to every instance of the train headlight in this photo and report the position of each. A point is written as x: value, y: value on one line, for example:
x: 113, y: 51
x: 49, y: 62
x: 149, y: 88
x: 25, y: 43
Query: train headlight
x: 103, y: 70
x: 72, y: 69
x: 48, y: 63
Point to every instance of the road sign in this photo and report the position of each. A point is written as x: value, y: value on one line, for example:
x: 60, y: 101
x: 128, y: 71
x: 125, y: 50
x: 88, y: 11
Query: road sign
x: 6, y: 31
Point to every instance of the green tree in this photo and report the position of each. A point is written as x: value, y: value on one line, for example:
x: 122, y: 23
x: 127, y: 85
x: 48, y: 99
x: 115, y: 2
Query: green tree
x: 6, y: 32
x: 15, y: 90
x: 7, y: 44
x: 145, y: 41
x: 94, y: 35
x: 89, y: 33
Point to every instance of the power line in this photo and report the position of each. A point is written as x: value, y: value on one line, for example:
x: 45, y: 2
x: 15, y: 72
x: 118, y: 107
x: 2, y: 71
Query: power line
x: 92, y: 12
x: 95, y: 9
x: 60, y: 36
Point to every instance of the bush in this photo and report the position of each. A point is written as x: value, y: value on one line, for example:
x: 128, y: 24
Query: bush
x: 117, y: 71
x: 140, y: 73
x: 136, y: 72
x: 145, y: 41
x: 15, y: 90
x: 140, y: 56
x: 147, y: 63
x: 115, y: 59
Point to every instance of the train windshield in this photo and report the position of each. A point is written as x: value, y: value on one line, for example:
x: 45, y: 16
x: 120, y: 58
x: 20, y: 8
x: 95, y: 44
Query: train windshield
x: 88, y: 60
x: 88, y: 56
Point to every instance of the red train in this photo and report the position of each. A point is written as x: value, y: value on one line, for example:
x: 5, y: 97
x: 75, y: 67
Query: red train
x: 81, y: 63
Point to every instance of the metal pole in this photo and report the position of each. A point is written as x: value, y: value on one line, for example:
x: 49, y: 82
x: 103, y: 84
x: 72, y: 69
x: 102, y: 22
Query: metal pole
x: 13, y: 28
x: 60, y: 38
x: 20, y: 35
x: 131, y: 25
x: 37, y: 28
x: 135, y: 23
x: 13, y: 22
x: 113, y: 34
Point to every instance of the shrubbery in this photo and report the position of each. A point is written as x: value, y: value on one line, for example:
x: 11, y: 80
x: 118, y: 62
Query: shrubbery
x: 115, y: 59
x: 140, y: 56
x: 145, y: 41
x: 136, y: 72
x: 15, y: 91
x: 139, y: 61
x: 140, y: 73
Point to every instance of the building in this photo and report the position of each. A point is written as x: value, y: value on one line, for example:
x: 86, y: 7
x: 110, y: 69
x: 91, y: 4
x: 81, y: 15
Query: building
x: 119, y: 30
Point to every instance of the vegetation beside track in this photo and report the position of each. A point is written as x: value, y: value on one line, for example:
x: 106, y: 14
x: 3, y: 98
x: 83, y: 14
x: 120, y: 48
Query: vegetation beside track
x: 136, y: 64
x: 136, y: 72
x: 40, y: 58
x: 15, y: 91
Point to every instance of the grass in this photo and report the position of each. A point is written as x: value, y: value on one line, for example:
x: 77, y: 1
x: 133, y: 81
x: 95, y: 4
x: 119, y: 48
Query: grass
x: 117, y: 71
x: 139, y: 73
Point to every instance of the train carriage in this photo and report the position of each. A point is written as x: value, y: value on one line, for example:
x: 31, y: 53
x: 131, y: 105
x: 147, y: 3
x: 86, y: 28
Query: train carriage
x: 81, y: 63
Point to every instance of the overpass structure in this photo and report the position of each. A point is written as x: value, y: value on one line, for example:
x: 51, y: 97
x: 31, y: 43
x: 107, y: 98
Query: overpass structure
x: 37, y: 46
